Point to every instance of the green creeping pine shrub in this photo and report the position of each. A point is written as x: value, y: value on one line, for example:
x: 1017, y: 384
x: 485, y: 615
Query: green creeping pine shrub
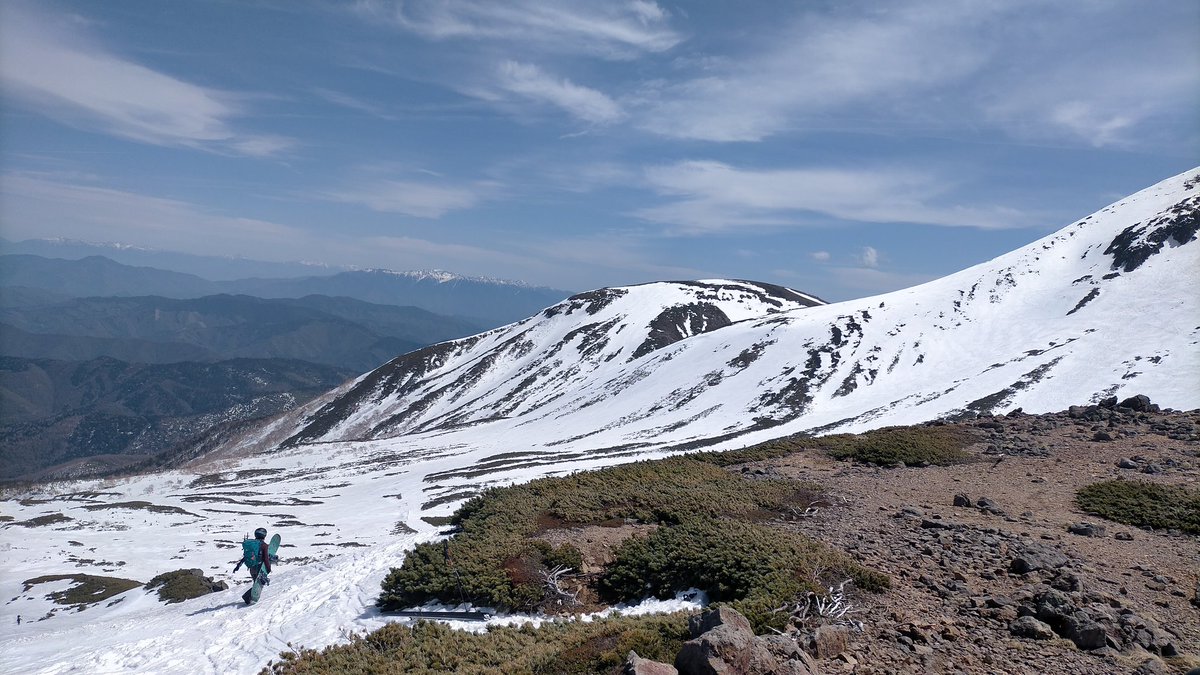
x: 88, y: 589
x: 559, y: 647
x: 914, y: 446
x: 756, y: 568
x: 178, y: 586
x: 1143, y: 504
x: 493, y: 561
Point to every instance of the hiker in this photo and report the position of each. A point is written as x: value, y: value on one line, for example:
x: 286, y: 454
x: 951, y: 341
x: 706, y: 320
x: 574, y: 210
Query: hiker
x: 18, y: 619
x: 256, y: 557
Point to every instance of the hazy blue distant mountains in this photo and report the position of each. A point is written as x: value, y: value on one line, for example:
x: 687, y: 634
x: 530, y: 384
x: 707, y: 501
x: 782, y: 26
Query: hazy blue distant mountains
x: 485, y: 302
x: 107, y: 366
x: 62, y: 419
x: 340, y: 332
x: 97, y: 276
x: 217, y: 268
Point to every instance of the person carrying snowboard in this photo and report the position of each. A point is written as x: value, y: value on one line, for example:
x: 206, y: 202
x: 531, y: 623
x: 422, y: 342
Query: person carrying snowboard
x: 257, y: 559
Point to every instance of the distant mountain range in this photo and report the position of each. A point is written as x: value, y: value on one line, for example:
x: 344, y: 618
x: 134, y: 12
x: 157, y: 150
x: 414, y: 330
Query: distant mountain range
x: 108, y: 365
x: 485, y: 302
x: 217, y: 268
x: 341, y: 332
x: 63, y: 419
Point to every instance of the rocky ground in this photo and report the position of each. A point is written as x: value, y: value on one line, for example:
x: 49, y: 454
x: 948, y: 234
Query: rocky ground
x: 995, y: 568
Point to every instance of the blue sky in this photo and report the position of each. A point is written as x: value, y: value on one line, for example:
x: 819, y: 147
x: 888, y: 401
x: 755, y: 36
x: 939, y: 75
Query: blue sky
x: 841, y: 148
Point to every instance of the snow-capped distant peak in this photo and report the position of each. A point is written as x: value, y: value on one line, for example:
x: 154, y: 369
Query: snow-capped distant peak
x: 442, y: 277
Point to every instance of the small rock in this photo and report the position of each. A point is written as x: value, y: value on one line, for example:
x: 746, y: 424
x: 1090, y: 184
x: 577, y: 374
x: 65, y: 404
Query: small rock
x: 1085, y: 633
x: 720, y: 616
x: 1102, y: 435
x: 829, y: 641
x: 1139, y: 403
x: 1124, y: 536
x: 636, y: 665
x: 1038, y: 558
x: 1151, y: 667
x: 962, y: 500
x: 1031, y: 628
x: 1127, y: 463
x: 1152, y: 468
x: 1086, y: 530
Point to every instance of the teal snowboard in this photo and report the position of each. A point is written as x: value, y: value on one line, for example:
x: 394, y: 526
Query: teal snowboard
x: 251, y: 596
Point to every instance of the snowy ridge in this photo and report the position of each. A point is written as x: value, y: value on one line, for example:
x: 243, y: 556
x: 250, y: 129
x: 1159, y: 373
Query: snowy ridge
x: 1096, y: 309
x: 1105, y: 306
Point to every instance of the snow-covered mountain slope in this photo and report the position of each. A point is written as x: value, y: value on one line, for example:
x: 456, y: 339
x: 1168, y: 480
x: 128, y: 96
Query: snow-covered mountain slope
x: 1106, y: 306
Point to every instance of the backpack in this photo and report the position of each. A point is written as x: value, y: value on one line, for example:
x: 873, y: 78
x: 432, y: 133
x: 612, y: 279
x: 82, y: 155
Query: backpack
x: 252, y: 552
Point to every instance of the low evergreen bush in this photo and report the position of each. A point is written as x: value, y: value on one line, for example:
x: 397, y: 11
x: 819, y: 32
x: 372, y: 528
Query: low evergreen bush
x: 892, y: 446
x: 754, y: 567
x: 1143, y: 504
x: 493, y: 560
x: 179, y: 585
x: 567, y: 648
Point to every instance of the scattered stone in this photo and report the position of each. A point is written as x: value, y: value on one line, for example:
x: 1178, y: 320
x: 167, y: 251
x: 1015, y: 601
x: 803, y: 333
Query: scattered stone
x: 829, y: 641
x: 1029, y: 627
x: 636, y: 665
x: 1086, y: 529
x: 1151, y: 667
x: 962, y: 500
x: 1102, y: 435
x: 1127, y: 463
x: 1124, y: 536
x: 1139, y: 403
x: 723, y: 642
x: 1038, y: 558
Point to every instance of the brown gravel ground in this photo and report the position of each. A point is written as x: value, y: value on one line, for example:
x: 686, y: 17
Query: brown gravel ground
x: 955, y: 595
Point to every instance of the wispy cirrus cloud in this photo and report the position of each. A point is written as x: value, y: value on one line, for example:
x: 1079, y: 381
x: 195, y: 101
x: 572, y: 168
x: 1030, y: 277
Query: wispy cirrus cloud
x: 533, y: 83
x: 1104, y: 73
x: 616, y: 30
x: 35, y: 205
x: 709, y: 196
x: 59, y: 69
x: 420, y: 199
x: 822, y: 63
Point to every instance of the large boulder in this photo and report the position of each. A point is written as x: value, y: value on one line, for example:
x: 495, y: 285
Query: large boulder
x: 636, y: 665
x: 724, y: 643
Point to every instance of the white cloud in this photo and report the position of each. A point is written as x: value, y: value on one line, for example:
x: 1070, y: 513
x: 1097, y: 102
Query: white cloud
x: 412, y: 198
x: 610, y: 29
x: 49, y: 66
x: 1139, y: 82
x: 869, y: 257
x: 41, y: 206
x: 712, y: 196
x: 1103, y: 73
x: 820, y: 256
x: 531, y: 82
x: 820, y: 64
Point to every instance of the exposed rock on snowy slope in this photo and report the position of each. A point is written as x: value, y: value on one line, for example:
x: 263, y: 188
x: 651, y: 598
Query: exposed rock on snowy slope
x: 1104, y: 305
